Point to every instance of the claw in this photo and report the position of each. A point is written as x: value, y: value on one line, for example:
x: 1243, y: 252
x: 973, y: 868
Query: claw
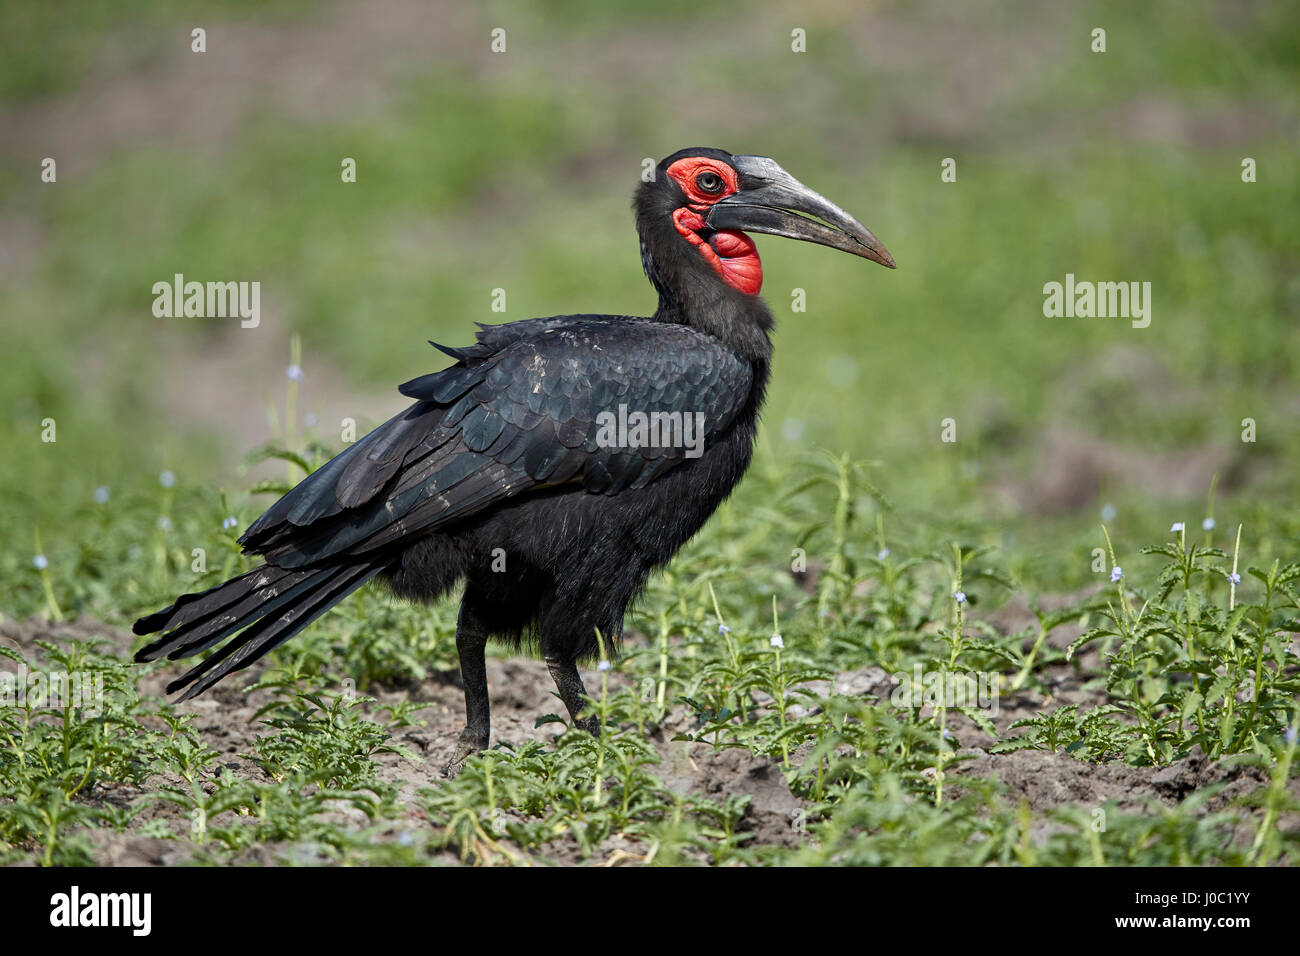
x: 467, y: 745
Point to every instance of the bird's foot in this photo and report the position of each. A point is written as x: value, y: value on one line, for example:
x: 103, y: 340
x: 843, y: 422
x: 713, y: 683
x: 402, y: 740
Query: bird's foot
x: 468, y: 744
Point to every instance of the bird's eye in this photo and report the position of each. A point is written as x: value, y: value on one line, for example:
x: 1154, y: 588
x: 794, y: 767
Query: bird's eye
x: 709, y: 182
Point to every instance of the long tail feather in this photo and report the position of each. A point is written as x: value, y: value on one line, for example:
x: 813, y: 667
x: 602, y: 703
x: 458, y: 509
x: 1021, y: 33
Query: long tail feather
x: 273, y: 630
x: 190, y: 607
x: 217, y: 629
x: 196, y: 617
x: 264, y: 607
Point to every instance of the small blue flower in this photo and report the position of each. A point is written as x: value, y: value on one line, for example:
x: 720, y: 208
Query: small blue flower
x: 40, y: 562
x: 604, y: 666
x: 1291, y: 735
x: 164, y: 523
x: 293, y: 373
x: 405, y: 838
x: 1176, y: 526
x: 1234, y: 577
x: 882, y: 554
x: 1116, y: 573
x: 959, y: 597
x: 101, y: 494
x: 723, y: 629
x: 166, y: 479
x: 229, y: 522
x: 777, y: 642
x: 1207, y: 524
x: 1108, y: 512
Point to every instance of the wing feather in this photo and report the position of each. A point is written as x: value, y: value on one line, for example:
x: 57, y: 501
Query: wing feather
x: 521, y: 409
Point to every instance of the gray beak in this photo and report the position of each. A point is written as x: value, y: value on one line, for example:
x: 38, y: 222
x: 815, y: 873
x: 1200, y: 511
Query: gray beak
x: 770, y: 201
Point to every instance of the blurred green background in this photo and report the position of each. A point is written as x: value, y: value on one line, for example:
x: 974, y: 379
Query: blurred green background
x: 514, y: 170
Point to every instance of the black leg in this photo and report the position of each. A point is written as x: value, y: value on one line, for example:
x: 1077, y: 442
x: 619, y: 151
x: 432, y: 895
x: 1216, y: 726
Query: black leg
x: 569, y: 684
x: 471, y: 642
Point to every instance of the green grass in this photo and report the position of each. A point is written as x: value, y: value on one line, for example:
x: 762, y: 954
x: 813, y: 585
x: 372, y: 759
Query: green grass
x: 1189, y: 660
x: 477, y: 173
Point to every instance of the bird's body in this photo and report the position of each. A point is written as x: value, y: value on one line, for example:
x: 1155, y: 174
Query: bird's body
x: 529, y: 563
x: 552, y: 468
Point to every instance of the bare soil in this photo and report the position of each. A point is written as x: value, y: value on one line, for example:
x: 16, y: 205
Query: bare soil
x: 522, y: 692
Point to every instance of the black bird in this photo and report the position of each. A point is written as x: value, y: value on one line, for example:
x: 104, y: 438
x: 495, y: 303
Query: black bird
x: 552, y: 467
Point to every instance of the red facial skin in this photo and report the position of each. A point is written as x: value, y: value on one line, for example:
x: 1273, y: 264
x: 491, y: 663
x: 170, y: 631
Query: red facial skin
x: 731, y: 254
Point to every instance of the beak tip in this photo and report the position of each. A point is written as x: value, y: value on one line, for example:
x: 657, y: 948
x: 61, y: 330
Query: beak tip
x: 880, y: 254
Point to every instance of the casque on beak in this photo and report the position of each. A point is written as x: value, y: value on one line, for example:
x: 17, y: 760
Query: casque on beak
x: 770, y: 201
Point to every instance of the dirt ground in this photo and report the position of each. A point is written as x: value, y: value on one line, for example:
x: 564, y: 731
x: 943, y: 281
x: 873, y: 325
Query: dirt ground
x: 522, y: 692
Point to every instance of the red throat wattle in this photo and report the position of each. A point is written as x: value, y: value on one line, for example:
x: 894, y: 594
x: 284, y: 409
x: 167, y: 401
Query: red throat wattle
x: 730, y: 253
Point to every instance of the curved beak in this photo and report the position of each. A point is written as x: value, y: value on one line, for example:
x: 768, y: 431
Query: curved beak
x: 770, y: 201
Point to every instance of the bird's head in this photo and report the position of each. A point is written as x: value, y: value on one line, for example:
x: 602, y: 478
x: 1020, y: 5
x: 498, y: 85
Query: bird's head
x: 713, y: 198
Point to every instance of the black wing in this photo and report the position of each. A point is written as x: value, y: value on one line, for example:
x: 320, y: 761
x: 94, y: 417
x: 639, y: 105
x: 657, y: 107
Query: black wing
x: 520, y: 409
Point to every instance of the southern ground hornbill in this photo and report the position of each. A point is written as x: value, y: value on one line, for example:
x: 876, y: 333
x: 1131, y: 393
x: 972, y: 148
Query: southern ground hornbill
x: 527, y: 468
